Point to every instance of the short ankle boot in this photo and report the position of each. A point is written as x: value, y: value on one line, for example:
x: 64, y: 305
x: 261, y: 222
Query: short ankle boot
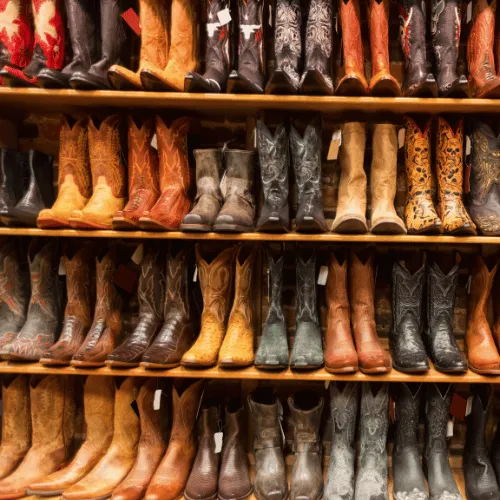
x: 12, y: 177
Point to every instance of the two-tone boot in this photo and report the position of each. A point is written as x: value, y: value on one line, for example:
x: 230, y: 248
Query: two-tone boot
x: 13, y: 167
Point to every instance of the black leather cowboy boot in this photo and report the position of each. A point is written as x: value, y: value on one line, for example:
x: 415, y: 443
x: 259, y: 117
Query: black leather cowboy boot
x: 12, y: 175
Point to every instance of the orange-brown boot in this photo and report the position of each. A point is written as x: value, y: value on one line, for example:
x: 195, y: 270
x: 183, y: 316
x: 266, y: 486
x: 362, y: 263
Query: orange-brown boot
x: 74, y: 183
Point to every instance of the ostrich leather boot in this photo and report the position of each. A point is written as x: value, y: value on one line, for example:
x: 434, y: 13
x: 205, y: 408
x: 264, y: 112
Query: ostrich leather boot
x: 13, y: 167
x: 175, y: 180
x: 216, y: 283
x: 177, y: 332
x: 382, y: 83
x: 420, y: 214
x: 170, y: 478
x: 383, y: 179
x: 74, y: 186
x: 350, y: 216
x: 483, y: 79
x: 182, y: 55
x: 340, y: 353
x: 238, y: 346
x: 151, y: 295
x: 481, y: 350
x: 98, y: 406
x: 16, y: 423
x: 44, y: 311
x: 153, y: 19
x: 143, y: 189
x: 353, y: 83
x: 52, y: 420
x: 151, y: 446
x: 78, y: 313
x: 449, y: 173
x: 119, y: 458
x: 371, y: 354
x: 106, y: 327
x: 108, y: 177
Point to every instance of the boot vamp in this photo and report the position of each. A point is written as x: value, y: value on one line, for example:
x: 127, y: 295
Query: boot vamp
x: 270, y: 474
x: 486, y: 216
x: 407, y: 345
x: 206, y: 208
x: 273, y: 347
x: 239, y: 339
x: 99, y: 343
x: 68, y: 199
x: 10, y: 456
x: 340, y: 476
x: 239, y: 209
x: 443, y: 346
x: 306, y: 481
x: 307, y: 349
x: 69, y: 342
x: 371, y: 481
x: 234, y: 477
x: 311, y: 206
x: 447, y: 75
x: 103, y: 203
x: 7, y: 198
x: 408, y: 475
x: 442, y: 484
x: 202, y: 482
x: 140, y: 201
x: 207, y: 345
x: 480, y: 477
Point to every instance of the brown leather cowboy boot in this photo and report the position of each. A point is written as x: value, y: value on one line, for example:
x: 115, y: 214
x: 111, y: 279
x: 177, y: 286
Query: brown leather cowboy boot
x: 74, y: 186
x: 153, y: 19
x: 98, y: 403
x: 216, y: 281
x: 108, y: 177
x: 143, y: 190
x: 121, y: 454
x: 175, y: 180
x: 170, y: 478
x: 16, y: 423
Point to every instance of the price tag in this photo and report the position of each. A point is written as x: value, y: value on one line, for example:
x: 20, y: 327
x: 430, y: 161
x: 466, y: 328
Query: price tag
x: 154, y: 142
x: 218, y: 438
x: 327, y: 384
x: 449, y: 427
x: 468, y: 408
x: 138, y: 255
x: 270, y: 15
x: 468, y: 17
x: 224, y: 16
x: 322, y: 275
x: 401, y: 137
x: 157, y: 400
x: 335, y: 143
x: 468, y: 145
x: 469, y: 280
x: 62, y: 267
x: 195, y: 275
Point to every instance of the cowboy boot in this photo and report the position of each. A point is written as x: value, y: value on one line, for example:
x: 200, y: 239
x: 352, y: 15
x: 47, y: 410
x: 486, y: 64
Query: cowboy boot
x: 481, y: 350
x: 216, y: 280
x: 182, y: 54
x: 74, y: 185
x: 78, y: 312
x: 307, y: 351
x: 317, y: 75
x: 150, y: 449
x: 171, y: 476
x: 217, y: 54
x: 273, y: 348
x: 151, y: 296
x: 442, y: 484
x: 106, y: 327
x: 372, y: 356
x: 445, y: 29
x: 270, y: 472
x: 484, y: 195
x: 16, y: 423
x: 306, y: 161
x: 496, y: 314
x: 238, y: 212
x: 484, y: 83
x: 340, y: 353
x: 177, y: 332
x: 287, y: 48
x: 113, y: 46
x: 237, y: 348
x: 83, y: 25
x: 143, y: 189
x: 274, y: 160
x: 250, y: 76
x: 344, y: 411
x: 306, y: 480
x: 175, y: 180
x: 351, y: 206
x: 418, y: 81
x: 353, y: 83
x: 108, y: 177
x: 12, y: 179
x: 153, y: 19
x: 119, y: 458
x: 382, y: 83
x: 409, y: 481
x: 44, y: 311
x: 98, y: 403
x: 420, y: 214
x: 208, y: 201
x: 52, y: 420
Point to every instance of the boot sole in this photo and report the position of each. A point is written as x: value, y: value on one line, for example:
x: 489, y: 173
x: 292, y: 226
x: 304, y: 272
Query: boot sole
x: 119, y: 82
x: 54, y: 362
x: 236, y: 498
x: 346, y: 369
x: 198, y: 228
x: 228, y: 365
x: 232, y: 228
x: 483, y: 372
x: 52, y: 223
x: 120, y: 223
x: 77, y: 224
x: 410, y: 370
x: 151, y: 225
x: 213, y: 497
x: 378, y: 369
x: 120, y: 364
x: 157, y: 366
x: 271, y: 367
x: 87, y: 364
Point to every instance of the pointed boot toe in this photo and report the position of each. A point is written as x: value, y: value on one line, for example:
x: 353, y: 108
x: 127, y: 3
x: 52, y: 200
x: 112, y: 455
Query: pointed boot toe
x: 195, y: 222
x: 281, y: 83
x: 350, y: 224
x: 194, y: 82
x: 342, y: 363
x: 387, y: 225
x: 121, y: 78
x: 411, y: 364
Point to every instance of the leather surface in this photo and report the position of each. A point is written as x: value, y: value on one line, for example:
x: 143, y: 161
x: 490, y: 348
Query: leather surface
x: 16, y: 42
x: 11, y: 178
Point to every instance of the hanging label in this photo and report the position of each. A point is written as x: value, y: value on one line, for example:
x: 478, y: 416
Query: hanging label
x: 224, y: 16
x: 255, y: 138
x: 401, y: 137
x: 336, y: 23
x: 154, y: 142
x: 62, y: 267
x: 458, y: 406
x: 132, y: 19
x: 469, y: 280
x: 268, y: 284
x: 392, y: 409
x: 280, y: 420
x: 327, y: 383
x: 335, y: 143
x: 322, y: 275
x: 468, y: 145
x: 157, y: 400
x: 449, y: 427
x: 195, y: 275
x: 468, y: 408
x: 138, y: 255
x: 218, y: 438
x: 468, y: 17
x: 270, y: 15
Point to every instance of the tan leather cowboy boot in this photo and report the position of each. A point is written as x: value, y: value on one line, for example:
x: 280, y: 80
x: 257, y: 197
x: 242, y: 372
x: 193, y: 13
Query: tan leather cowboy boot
x: 383, y: 177
x: 108, y: 177
x: 120, y: 456
x: 153, y: 18
x: 74, y: 186
x: 351, y: 206
x: 238, y: 345
x: 170, y: 478
x: 16, y: 423
x: 216, y: 281
x: 98, y: 403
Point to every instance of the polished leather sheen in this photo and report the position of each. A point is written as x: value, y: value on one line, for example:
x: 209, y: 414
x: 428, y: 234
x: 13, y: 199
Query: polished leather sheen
x: 16, y: 42
x: 12, y: 167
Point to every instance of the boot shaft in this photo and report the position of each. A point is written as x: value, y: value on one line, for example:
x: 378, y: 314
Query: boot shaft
x: 99, y: 403
x: 240, y: 166
x: 49, y: 33
x: 108, y: 300
x: 378, y: 21
x: 475, y: 439
x: 154, y: 17
x: 151, y: 289
x: 373, y: 422
x: 151, y: 420
x: 265, y: 410
x: 383, y: 173
x: 344, y: 402
x: 126, y: 428
x: 417, y: 156
x: 437, y: 415
x: 16, y: 42
x: 243, y: 293
x: 208, y: 423
x: 351, y: 36
x: 318, y: 42
x: 185, y: 409
x: 306, y: 410
x: 40, y: 191
x: 183, y: 32
x: 362, y: 287
x: 407, y: 411
x: 176, y: 284
x: 336, y: 290
x: 218, y: 44
x: 275, y: 313
x: 287, y: 34
x: 233, y: 429
x: 12, y: 173
x: 113, y: 36
x: 449, y: 159
x: 306, y: 290
x: 441, y: 290
x: 250, y: 45
x: 412, y: 32
x: 480, y: 289
x: 445, y: 30
x: 209, y: 168
x: 16, y: 421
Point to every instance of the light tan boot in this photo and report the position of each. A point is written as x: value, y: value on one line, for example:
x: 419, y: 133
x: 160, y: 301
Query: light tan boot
x: 351, y: 205
x: 383, y: 177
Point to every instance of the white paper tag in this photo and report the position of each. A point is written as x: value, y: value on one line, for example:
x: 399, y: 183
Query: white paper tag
x: 280, y: 413
x: 327, y: 384
x: 195, y: 275
x: 336, y: 23
x: 62, y: 267
x: 270, y: 15
x: 449, y: 427
x: 255, y: 138
x: 157, y: 400
x: 218, y: 438
x: 268, y: 284
x: 468, y: 17
x: 138, y: 255
x: 468, y: 407
x: 224, y: 16
x: 335, y: 143
x: 468, y: 145
x: 401, y: 137
x: 469, y: 280
x: 154, y: 142
x: 322, y: 275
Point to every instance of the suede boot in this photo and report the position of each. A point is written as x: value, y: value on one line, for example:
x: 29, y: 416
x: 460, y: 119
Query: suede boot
x: 12, y: 180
